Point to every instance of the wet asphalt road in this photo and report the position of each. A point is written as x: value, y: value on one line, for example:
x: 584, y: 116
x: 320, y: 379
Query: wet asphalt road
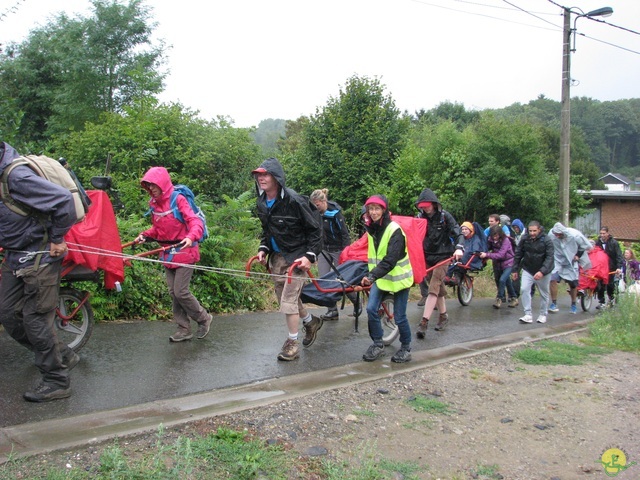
x: 134, y: 363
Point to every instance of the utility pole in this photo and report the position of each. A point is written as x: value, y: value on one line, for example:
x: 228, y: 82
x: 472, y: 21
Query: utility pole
x: 565, y: 105
x: 565, y: 120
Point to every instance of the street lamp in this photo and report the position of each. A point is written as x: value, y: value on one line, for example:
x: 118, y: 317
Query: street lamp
x: 565, y: 112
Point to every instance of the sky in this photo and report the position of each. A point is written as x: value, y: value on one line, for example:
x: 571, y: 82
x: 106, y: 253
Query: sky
x: 251, y: 60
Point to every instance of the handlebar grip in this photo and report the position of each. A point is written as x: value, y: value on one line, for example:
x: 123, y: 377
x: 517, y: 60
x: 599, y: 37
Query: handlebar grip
x: 290, y: 271
x: 247, y: 267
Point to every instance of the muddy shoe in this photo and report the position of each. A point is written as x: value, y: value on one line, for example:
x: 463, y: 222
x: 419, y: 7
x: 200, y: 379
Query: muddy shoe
x: 421, y: 331
x: 497, y: 303
x: 203, y: 328
x: 422, y: 301
x: 330, y: 315
x: 311, y: 330
x: 180, y: 336
x: 290, y: 350
x: 513, y: 303
x: 443, y: 321
x: 46, y: 393
x: 374, y: 352
x: 402, y: 356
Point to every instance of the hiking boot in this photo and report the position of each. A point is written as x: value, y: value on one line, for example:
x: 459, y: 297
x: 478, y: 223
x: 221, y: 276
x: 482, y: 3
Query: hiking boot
x: 45, y: 393
x: 526, y: 319
x: 574, y: 308
x: 421, y: 331
x: 70, y: 360
x: 542, y: 319
x: 443, y: 321
x: 497, y: 303
x: 311, y: 330
x: 553, y: 308
x: 402, y: 356
x: 180, y: 336
x: 513, y: 303
x: 374, y: 352
x: 203, y: 328
x: 422, y: 301
x: 290, y: 350
x: 330, y: 315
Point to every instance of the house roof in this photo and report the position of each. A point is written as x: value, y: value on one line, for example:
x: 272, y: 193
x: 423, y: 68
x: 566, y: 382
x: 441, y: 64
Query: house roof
x: 611, y: 194
x: 618, y: 177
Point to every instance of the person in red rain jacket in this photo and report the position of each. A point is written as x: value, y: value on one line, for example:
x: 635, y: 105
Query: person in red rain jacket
x: 167, y: 229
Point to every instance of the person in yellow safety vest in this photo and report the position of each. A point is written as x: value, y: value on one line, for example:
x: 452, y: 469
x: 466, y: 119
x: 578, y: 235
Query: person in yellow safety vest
x: 389, y: 271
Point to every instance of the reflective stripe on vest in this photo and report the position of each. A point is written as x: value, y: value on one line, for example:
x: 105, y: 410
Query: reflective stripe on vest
x: 401, y: 276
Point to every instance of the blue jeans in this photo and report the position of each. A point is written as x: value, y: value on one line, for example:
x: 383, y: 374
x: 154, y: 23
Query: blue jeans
x: 503, y: 279
x: 400, y: 300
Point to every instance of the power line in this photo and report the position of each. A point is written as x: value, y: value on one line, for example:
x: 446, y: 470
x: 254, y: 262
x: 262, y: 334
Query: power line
x: 600, y: 21
x: 597, y: 19
x: 499, y: 7
x: 482, y: 15
x: 530, y: 13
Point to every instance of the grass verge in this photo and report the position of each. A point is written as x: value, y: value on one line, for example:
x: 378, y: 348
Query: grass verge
x: 224, y: 454
x: 548, y: 352
x: 618, y: 327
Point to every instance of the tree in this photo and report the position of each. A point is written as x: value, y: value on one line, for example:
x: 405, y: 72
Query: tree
x: 350, y: 145
x: 71, y: 71
x: 212, y: 157
x: 448, y: 111
x: 268, y: 134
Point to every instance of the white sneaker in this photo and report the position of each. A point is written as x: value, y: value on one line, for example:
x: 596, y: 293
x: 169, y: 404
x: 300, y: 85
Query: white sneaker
x: 526, y: 319
x: 542, y: 319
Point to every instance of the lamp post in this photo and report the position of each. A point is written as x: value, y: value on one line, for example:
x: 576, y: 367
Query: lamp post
x: 565, y: 103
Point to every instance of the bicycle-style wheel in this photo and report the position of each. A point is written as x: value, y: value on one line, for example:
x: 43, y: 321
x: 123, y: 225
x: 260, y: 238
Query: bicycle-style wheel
x: 74, y: 329
x: 389, y: 327
x: 586, y: 299
x: 465, y: 290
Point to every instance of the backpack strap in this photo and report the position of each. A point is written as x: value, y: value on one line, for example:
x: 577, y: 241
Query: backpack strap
x: 19, y: 207
x: 173, y: 206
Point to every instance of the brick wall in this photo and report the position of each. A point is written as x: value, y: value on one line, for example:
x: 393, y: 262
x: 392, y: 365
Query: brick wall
x: 622, y: 218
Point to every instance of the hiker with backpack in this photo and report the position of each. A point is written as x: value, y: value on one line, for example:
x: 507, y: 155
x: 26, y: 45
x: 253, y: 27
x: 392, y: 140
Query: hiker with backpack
x: 291, y: 233
x: 34, y: 247
x: 174, y: 222
x: 443, y: 240
x: 335, y: 237
x: 494, y: 219
x: 501, y: 251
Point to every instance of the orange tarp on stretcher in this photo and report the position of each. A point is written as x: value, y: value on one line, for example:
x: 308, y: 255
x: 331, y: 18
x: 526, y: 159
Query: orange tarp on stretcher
x: 599, y: 270
x: 414, y: 229
x: 98, y: 231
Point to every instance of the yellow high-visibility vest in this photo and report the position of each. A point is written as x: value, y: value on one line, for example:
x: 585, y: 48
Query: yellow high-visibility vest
x: 401, y: 276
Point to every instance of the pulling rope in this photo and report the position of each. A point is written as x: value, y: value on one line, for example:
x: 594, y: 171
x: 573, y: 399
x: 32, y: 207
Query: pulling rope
x: 220, y: 270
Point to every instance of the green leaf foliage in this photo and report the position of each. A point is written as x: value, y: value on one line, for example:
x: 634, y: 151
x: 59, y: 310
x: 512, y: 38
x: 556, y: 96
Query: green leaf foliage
x: 349, y: 144
x: 73, y: 70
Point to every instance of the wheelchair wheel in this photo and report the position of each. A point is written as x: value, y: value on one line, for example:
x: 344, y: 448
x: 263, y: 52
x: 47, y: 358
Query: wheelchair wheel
x: 465, y: 290
x: 586, y: 299
x: 73, y: 329
x: 389, y: 327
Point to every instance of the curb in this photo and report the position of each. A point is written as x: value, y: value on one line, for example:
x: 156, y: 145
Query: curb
x: 61, y: 434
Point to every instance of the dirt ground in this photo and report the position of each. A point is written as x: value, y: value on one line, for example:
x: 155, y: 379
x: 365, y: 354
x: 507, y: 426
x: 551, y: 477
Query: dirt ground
x: 512, y: 420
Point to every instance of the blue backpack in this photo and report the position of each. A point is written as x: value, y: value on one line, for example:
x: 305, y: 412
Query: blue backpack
x: 188, y: 194
x: 173, y: 205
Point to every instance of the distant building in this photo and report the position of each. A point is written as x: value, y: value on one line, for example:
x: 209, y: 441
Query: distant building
x: 617, y: 209
x: 617, y: 182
